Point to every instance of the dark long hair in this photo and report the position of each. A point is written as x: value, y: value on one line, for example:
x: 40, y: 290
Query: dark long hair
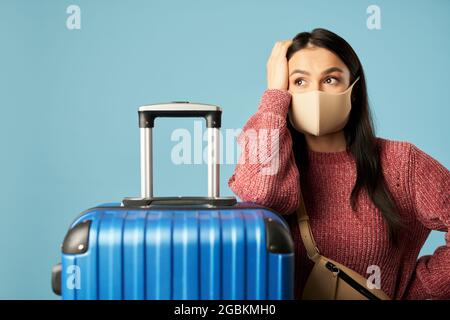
x: 359, y: 133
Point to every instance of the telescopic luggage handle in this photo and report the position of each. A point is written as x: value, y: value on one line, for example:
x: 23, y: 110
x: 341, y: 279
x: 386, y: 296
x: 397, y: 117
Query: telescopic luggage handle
x: 147, y: 115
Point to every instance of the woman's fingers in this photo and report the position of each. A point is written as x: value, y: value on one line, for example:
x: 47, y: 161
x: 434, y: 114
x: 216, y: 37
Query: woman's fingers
x: 285, y: 45
x: 277, y: 66
x: 275, y: 50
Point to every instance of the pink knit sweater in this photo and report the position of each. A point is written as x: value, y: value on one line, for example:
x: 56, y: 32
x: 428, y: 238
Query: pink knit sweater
x: 420, y: 186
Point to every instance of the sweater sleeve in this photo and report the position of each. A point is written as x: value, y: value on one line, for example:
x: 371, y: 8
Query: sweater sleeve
x: 430, y: 188
x: 266, y: 172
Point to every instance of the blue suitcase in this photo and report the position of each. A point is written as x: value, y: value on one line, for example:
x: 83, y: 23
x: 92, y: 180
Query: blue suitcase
x: 177, y: 247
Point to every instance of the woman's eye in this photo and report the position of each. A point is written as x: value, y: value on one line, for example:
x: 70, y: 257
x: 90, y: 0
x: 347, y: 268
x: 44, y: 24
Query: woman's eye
x: 331, y: 80
x: 299, y: 82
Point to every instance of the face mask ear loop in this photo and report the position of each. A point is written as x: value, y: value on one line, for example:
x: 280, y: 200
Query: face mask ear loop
x: 351, y: 88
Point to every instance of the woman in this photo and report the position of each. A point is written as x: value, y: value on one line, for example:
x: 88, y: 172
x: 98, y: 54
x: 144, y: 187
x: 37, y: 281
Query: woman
x: 371, y: 201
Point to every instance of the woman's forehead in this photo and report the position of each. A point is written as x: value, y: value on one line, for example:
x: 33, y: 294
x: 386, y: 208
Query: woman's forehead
x: 315, y: 60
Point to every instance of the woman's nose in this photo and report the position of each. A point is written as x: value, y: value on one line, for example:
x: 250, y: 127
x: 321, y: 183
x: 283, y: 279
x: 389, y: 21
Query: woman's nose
x: 315, y: 86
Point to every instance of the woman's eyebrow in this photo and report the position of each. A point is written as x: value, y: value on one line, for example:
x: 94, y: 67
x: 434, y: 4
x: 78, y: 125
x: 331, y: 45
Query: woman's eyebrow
x: 299, y: 71
x: 329, y: 70
x: 332, y: 69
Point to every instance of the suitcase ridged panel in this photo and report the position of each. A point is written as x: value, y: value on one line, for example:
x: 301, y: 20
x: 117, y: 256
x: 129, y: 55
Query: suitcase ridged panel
x: 159, y: 255
x: 211, y: 256
x: 134, y: 255
x: 190, y: 254
x: 256, y: 256
x: 110, y: 249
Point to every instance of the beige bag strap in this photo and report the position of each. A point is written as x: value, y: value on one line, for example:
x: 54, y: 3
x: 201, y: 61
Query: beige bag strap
x: 320, y: 280
x: 305, y: 231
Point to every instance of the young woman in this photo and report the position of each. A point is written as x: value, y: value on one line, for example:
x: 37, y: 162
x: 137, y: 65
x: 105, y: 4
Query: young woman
x: 371, y: 201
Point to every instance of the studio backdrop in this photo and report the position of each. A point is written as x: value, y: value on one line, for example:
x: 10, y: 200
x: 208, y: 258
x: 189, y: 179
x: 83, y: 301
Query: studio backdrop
x: 73, y: 74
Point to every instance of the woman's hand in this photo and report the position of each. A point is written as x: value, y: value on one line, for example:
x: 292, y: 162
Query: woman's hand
x: 277, y: 66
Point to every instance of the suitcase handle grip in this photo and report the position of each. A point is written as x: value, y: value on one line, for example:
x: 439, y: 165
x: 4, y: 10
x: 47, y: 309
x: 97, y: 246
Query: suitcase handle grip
x: 211, y: 113
x: 147, y: 115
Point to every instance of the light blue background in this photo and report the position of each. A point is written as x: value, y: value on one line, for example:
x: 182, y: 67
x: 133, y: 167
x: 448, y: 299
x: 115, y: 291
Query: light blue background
x: 68, y: 99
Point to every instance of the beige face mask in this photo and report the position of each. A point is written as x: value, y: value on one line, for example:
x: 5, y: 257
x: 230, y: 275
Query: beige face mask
x: 318, y: 112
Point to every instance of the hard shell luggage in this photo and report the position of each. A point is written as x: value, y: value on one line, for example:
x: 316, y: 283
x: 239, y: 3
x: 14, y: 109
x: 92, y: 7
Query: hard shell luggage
x: 177, y: 247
